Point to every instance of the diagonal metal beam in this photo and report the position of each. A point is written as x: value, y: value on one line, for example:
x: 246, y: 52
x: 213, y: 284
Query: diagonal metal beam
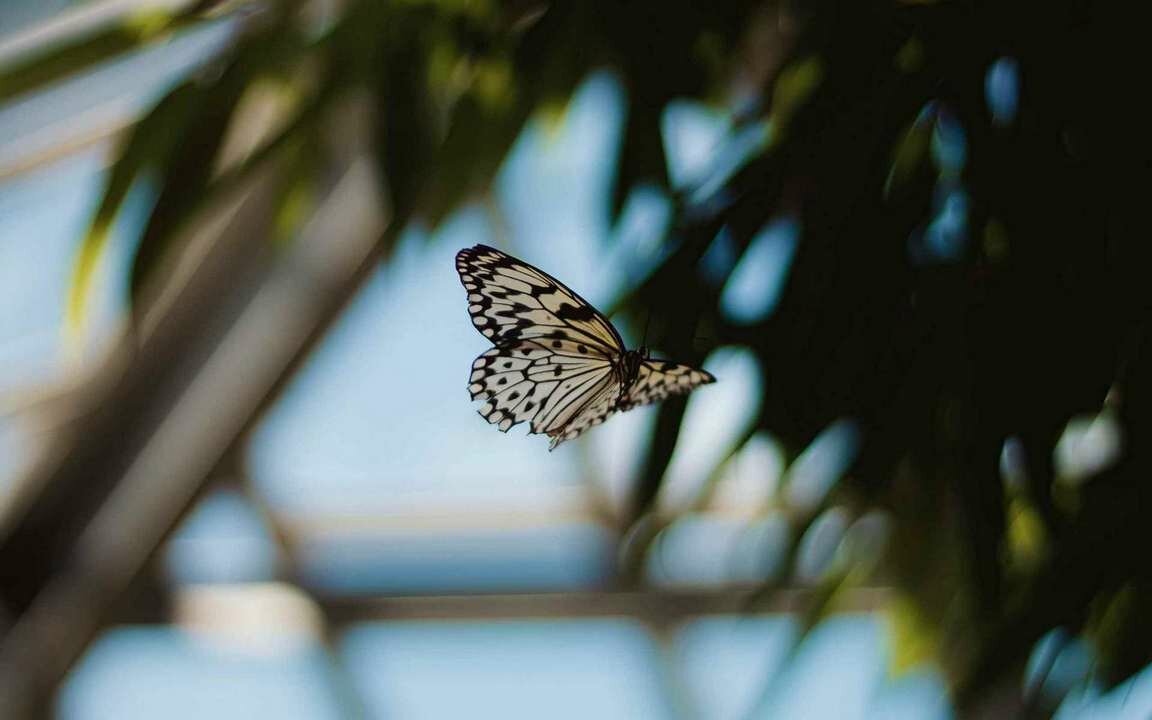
x: 116, y: 481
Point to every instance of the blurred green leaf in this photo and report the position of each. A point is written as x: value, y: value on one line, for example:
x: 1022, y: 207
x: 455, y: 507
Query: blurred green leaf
x: 298, y: 192
x: 187, y: 174
x: 1122, y: 633
x: 910, y: 58
x: 1026, y: 541
x: 912, y: 635
x: 408, y: 130
x: 794, y: 86
x: 911, y: 162
x: 147, y: 149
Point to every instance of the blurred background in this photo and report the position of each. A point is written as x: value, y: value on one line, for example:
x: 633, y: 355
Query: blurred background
x: 239, y: 472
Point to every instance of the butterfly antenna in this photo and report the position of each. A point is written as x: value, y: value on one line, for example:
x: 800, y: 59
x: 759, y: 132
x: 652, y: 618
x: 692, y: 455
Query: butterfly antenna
x: 647, y: 322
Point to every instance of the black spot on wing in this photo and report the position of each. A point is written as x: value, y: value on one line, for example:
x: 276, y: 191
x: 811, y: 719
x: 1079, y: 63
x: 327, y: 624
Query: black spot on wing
x: 567, y: 311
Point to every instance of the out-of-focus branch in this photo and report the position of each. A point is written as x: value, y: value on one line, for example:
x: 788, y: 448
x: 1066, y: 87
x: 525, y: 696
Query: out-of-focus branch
x: 658, y: 608
x: 75, y: 41
x: 78, y: 22
x: 115, y: 482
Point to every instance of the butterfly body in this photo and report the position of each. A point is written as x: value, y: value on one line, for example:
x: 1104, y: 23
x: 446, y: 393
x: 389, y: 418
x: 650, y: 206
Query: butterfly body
x: 557, y: 362
x: 630, y: 363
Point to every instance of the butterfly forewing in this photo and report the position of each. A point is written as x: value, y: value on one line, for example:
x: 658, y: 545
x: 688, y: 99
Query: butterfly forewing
x: 511, y: 300
x: 558, y: 363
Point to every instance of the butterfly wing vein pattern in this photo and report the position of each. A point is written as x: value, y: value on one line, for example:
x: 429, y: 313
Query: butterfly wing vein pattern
x: 557, y: 364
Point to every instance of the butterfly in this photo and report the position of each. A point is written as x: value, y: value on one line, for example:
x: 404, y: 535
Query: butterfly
x: 557, y: 364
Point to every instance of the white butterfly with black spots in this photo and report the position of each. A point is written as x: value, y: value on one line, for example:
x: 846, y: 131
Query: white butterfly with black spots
x: 557, y: 363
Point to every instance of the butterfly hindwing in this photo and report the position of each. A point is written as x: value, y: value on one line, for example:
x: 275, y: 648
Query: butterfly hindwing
x: 529, y: 381
x: 595, y: 412
x: 571, y: 398
x: 657, y: 379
